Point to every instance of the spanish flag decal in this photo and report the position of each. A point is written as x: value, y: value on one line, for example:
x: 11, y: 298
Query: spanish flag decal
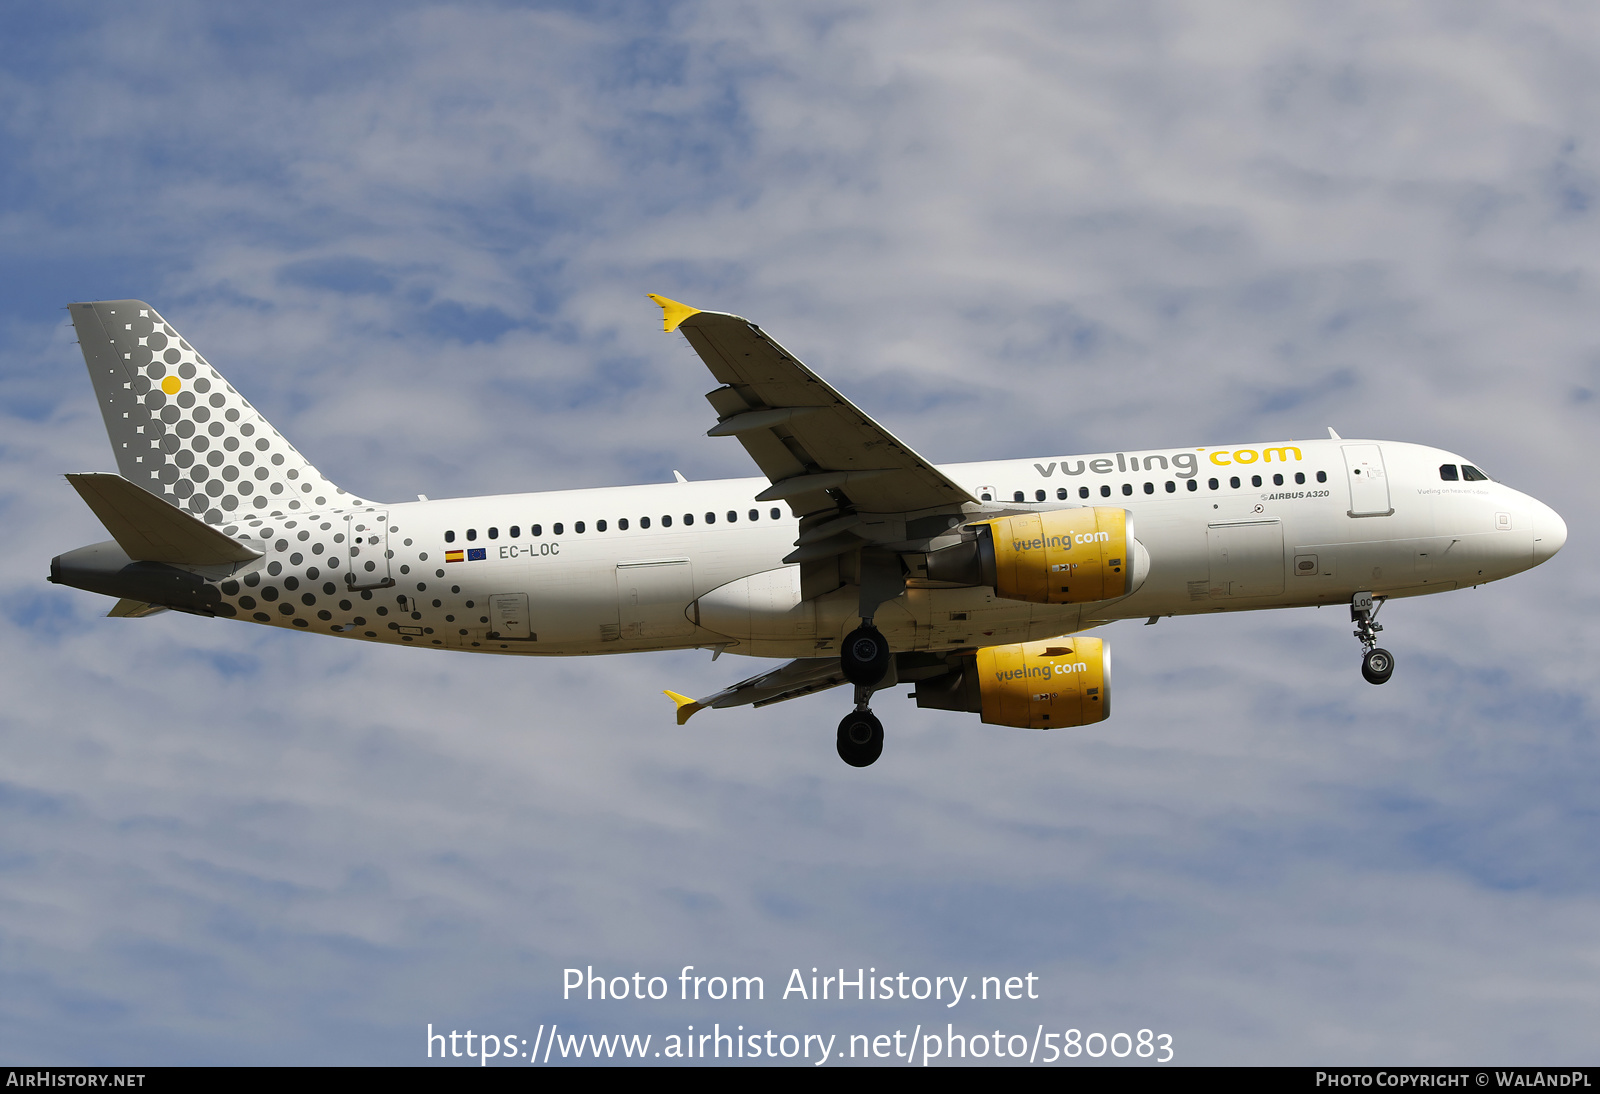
x: 452, y: 556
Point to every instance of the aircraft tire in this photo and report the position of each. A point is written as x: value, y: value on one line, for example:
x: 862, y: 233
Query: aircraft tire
x: 865, y: 656
x: 1377, y: 665
x: 860, y: 738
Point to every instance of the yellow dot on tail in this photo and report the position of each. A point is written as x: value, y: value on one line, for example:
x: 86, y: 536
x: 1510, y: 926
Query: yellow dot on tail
x: 171, y: 385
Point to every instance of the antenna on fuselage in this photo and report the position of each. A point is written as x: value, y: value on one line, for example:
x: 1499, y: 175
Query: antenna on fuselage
x: 1333, y: 435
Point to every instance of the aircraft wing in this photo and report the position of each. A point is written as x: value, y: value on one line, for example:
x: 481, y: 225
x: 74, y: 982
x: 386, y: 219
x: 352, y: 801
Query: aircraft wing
x: 806, y: 437
x: 789, y: 681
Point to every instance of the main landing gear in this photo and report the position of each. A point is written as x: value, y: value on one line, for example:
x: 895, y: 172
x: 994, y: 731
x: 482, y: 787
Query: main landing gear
x: 865, y: 659
x: 865, y: 655
x: 860, y: 737
x: 1377, y: 664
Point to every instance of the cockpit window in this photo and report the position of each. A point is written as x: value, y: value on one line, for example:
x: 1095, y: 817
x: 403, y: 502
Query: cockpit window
x: 1447, y: 472
x: 1472, y: 474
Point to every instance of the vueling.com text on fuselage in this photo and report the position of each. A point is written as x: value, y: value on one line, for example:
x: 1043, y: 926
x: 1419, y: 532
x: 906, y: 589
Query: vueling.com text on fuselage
x: 1183, y: 465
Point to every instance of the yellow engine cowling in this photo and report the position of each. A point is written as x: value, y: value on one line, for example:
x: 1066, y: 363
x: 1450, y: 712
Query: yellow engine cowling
x: 1045, y: 685
x: 1065, y: 556
x: 1032, y: 685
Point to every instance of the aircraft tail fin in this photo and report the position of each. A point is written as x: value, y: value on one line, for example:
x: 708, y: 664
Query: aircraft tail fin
x: 180, y: 431
x: 148, y: 529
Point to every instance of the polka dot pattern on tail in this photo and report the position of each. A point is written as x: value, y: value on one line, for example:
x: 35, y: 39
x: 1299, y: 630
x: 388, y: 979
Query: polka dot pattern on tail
x: 182, y: 432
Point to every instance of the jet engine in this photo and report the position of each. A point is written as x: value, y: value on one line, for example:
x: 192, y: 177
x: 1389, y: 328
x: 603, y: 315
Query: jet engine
x: 1062, y: 556
x: 1030, y: 685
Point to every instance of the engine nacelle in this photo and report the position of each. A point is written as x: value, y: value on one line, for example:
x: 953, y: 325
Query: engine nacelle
x: 1030, y: 685
x: 1062, y: 556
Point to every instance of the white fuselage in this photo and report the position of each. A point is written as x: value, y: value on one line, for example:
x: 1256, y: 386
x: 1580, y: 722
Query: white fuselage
x: 664, y: 567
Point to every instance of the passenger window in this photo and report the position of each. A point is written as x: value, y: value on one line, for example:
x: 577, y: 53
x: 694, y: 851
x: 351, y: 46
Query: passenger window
x: 622, y: 525
x: 1195, y: 485
x: 1172, y: 487
x: 1322, y: 476
x: 1234, y: 482
x: 1038, y: 495
x: 755, y: 514
x: 1447, y: 472
x: 711, y: 518
x: 1472, y: 474
x: 599, y: 526
x: 449, y: 537
x: 986, y: 497
x: 1149, y: 488
x: 557, y: 528
x: 578, y: 528
x: 1214, y: 484
x: 516, y: 531
x: 1277, y: 480
x: 536, y: 531
x: 688, y: 519
x: 472, y: 534
x: 1083, y: 491
x: 1061, y: 493
x: 666, y: 521
x: 1017, y: 496
x: 733, y: 515
x: 1255, y: 480
x: 494, y: 533
x: 774, y: 513
x: 644, y: 522
x: 1299, y: 478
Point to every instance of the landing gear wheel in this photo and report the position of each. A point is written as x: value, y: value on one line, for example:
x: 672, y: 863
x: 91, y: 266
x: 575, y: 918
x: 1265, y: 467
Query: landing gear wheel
x: 860, y: 738
x: 865, y: 656
x: 1377, y: 665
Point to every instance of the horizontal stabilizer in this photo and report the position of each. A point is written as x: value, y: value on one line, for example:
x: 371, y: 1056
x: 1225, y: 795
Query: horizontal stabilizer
x: 151, y: 530
x: 133, y: 609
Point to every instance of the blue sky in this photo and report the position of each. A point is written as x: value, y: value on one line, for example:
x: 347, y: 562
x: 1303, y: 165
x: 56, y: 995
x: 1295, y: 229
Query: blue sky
x: 418, y: 237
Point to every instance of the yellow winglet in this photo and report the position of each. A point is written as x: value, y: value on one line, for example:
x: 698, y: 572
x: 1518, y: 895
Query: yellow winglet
x: 686, y: 705
x: 672, y: 313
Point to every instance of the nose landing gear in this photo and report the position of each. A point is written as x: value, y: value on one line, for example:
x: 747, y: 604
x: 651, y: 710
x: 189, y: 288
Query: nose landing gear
x: 1377, y: 664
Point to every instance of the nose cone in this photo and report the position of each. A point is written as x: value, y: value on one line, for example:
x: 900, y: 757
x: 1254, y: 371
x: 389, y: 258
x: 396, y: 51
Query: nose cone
x: 1549, y: 532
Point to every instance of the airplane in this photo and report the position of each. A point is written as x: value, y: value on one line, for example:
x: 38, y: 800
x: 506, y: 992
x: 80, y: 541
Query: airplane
x: 850, y: 557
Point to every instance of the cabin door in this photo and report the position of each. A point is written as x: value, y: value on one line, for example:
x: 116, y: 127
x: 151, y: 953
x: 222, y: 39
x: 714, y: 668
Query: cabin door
x: 1369, y: 485
x: 367, y: 537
